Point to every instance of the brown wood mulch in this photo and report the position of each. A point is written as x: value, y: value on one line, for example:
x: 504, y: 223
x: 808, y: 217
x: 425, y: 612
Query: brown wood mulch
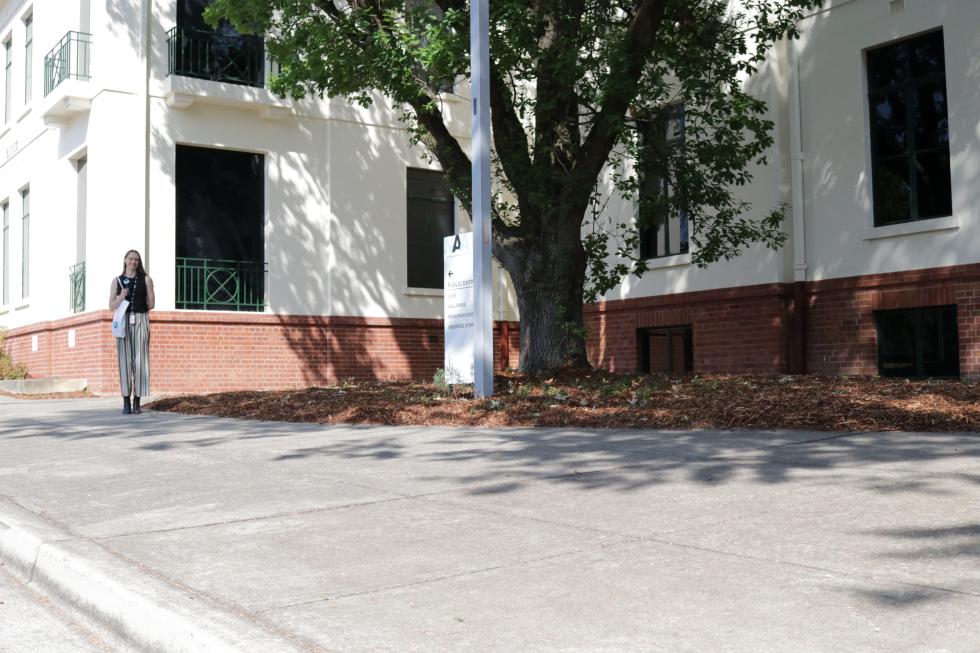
x: 599, y: 399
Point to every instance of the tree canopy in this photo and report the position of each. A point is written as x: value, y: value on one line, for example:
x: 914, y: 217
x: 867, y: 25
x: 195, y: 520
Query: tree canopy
x: 577, y: 87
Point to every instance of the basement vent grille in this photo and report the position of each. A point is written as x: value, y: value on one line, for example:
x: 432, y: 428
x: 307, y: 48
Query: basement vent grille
x: 896, y: 6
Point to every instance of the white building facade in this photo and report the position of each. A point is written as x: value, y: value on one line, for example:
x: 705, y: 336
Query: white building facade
x: 297, y: 242
x: 290, y: 242
x: 876, y: 154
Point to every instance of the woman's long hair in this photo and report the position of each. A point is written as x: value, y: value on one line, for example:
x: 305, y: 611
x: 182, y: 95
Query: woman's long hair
x: 140, y: 271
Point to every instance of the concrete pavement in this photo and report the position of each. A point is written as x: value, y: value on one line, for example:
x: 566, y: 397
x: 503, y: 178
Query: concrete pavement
x: 194, y: 534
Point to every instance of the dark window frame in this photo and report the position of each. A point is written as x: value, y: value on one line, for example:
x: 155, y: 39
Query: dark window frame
x: 28, y: 57
x: 685, y: 331
x: 431, y: 264
x: 947, y: 343
x: 8, y: 79
x: 441, y: 85
x: 25, y: 239
x: 656, y: 177
x: 907, y: 88
x: 5, y: 209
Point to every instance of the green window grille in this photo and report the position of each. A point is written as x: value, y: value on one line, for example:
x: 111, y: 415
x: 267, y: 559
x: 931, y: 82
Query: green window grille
x: 204, y: 54
x: 220, y: 284
x: 76, y: 281
x: 70, y: 59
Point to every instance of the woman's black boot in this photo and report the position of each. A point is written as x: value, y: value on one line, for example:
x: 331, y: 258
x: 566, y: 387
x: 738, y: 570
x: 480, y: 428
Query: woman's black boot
x: 136, y: 405
x: 126, y: 407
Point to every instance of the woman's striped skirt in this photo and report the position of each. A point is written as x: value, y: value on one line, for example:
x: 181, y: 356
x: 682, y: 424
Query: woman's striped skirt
x: 134, y: 357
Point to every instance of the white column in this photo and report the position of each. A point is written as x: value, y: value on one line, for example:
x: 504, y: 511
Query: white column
x: 482, y: 281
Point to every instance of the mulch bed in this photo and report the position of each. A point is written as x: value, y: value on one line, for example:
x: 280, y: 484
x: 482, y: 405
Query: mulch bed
x: 599, y: 399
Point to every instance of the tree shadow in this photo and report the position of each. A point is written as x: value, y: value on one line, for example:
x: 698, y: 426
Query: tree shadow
x: 572, y: 467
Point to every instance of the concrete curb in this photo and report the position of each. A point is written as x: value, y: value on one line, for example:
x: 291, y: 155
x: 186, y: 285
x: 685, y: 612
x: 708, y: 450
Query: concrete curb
x: 139, y: 607
x: 43, y: 386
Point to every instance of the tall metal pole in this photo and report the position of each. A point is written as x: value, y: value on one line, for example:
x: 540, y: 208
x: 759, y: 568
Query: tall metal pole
x: 482, y: 283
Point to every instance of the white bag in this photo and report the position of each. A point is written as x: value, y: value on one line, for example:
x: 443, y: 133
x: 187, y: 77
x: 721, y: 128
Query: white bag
x: 119, y: 318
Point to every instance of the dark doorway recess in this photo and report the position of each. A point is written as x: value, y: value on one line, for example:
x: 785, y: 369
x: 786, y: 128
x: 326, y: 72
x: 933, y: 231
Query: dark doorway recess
x: 666, y: 349
x: 918, y: 342
x: 220, y: 214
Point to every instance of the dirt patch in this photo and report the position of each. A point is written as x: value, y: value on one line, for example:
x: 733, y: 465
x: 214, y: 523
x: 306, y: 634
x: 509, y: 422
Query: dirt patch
x: 600, y: 399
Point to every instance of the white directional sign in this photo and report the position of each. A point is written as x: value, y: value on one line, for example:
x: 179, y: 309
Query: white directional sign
x: 460, y: 327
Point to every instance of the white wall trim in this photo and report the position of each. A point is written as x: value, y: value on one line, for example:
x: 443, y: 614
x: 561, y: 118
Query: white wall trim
x: 425, y: 292
x: 675, y: 261
x: 932, y: 225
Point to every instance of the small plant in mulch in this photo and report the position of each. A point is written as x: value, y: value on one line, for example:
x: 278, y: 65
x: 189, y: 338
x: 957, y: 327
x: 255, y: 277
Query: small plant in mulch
x: 9, y: 370
x: 596, y: 399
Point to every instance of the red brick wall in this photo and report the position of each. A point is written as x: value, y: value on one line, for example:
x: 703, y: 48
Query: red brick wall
x: 750, y: 329
x: 734, y: 329
x: 841, y: 327
x: 765, y: 328
x: 210, y: 352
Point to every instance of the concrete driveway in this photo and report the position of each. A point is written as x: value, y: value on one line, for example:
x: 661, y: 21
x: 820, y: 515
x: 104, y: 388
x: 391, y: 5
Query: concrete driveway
x: 192, y: 533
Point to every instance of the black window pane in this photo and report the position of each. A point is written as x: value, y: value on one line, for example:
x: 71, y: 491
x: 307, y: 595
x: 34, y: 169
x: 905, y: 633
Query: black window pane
x: 940, y: 342
x: 668, y: 350
x: 930, y: 120
x: 918, y: 342
x: 896, y: 343
x: 926, y: 55
x: 663, y: 226
x: 908, y: 116
x: 933, y: 192
x: 220, y: 202
x: 887, y: 65
x: 889, y: 124
x: 430, y: 219
x: 892, y: 191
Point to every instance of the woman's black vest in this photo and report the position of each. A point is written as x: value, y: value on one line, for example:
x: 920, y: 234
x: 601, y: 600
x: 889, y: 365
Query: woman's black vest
x: 137, y: 293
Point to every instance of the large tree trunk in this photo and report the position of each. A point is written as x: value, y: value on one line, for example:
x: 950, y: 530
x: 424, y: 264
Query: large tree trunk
x: 548, y: 279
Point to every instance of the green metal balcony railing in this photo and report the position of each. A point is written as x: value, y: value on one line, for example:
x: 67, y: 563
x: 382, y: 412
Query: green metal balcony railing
x: 76, y: 280
x: 70, y: 59
x: 234, y: 59
x: 220, y: 285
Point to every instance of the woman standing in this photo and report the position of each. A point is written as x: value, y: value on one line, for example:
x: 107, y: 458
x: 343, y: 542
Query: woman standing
x: 134, y: 350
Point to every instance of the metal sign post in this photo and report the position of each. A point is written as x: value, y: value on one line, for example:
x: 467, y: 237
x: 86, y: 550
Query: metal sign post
x: 482, y: 282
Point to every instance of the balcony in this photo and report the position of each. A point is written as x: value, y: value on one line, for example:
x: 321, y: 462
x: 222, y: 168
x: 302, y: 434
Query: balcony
x: 217, y: 57
x: 220, y: 285
x: 67, y: 71
x: 213, y: 68
x: 76, y: 281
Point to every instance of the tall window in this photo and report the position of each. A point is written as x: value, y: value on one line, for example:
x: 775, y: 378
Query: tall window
x: 918, y: 342
x: 220, y: 236
x: 6, y: 252
x: 414, y: 8
x: 430, y: 219
x: 662, y: 223
x: 909, y: 130
x: 81, y: 207
x: 8, y: 70
x: 28, y: 57
x: 25, y: 278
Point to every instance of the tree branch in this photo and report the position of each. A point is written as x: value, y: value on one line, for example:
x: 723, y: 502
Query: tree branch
x: 639, y: 41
